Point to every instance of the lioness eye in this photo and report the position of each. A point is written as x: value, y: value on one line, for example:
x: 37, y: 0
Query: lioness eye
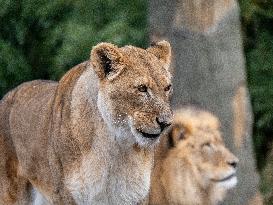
x: 142, y: 88
x: 167, y: 88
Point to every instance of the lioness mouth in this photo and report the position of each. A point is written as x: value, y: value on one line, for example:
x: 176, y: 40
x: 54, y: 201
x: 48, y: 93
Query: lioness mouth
x: 224, y: 179
x: 146, y: 135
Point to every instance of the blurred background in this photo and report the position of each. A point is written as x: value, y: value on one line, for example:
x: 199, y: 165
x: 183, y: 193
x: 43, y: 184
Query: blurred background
x: 43, y: 39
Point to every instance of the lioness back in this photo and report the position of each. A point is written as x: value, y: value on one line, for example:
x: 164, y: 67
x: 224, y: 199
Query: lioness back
x: 20, y: 116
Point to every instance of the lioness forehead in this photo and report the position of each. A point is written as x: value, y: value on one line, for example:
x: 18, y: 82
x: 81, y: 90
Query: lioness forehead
x: 146, y: 63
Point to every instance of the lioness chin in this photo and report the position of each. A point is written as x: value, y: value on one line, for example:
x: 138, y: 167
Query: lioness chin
x: 89, y: 138
x: 192, y: 164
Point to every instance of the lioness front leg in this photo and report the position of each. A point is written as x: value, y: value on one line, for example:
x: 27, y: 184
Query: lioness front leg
x: 61, y: 196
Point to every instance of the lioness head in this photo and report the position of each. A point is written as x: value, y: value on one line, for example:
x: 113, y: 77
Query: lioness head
x: 134, y: 90
x: 197, y: 139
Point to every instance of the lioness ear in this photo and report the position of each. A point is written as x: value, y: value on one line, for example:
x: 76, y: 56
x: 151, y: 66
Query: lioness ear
x: 106, y: 60
x: 162, y: 50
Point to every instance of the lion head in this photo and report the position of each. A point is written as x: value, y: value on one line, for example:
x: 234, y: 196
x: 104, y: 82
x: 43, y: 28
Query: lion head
x: 134, y: 90
x: 198, y: 168
x: 196, y: 133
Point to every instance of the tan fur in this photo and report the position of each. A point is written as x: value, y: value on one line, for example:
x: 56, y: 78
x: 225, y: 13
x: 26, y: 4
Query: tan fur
x: 189, y: 161
x: 82, y: 140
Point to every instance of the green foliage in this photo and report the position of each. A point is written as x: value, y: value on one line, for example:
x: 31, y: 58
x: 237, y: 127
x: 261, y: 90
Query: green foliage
x: 260, y: 63
x: 16, y: 69
x: 42, y: 39
x: 120, y: 22
x: 26, y: 48
x: 260, y: 78
x: 257, y: 19
x: 267, y: 178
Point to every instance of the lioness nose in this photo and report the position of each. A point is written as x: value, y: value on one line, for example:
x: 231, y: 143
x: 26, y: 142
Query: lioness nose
x: 163, y: 124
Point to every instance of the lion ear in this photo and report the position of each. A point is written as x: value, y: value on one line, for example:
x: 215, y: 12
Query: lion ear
x: 107, y: 60
x: 177, y: 134
x: 162, y: 50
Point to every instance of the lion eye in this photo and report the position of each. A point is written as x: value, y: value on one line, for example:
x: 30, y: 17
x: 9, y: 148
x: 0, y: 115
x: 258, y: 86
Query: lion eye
x: 207, y: 144
x: 167, y: 88
x: 142, y: 88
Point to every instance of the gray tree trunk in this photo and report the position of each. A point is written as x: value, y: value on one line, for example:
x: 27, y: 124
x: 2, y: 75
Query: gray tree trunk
x: 268, y: 179
x: 209, y: 70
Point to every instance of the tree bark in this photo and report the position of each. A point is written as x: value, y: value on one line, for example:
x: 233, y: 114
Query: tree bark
x: 209, y: 71
x: 268, y: 179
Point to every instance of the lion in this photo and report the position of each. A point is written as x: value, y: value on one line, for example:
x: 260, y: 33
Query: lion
x: 89, y: 138
x: 192, y: 164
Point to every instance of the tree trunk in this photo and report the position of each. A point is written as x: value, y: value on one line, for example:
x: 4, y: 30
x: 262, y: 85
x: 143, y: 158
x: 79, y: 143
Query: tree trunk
x: 209, y: 71
x: 268, y: 179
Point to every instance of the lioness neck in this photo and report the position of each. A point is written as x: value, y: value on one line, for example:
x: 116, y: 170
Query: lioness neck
x: 106, y: 172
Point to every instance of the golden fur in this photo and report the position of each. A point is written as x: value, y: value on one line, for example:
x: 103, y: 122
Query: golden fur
x: 192, y: 161
x: 89, y: 138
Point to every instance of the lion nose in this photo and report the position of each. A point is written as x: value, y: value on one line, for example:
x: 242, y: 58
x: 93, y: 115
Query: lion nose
x: 162, y: 124
x: 233, y: 163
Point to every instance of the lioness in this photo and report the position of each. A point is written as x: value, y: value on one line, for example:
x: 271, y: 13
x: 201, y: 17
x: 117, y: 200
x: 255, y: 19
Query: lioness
x: 89, y: 138
x: 193, y: 166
